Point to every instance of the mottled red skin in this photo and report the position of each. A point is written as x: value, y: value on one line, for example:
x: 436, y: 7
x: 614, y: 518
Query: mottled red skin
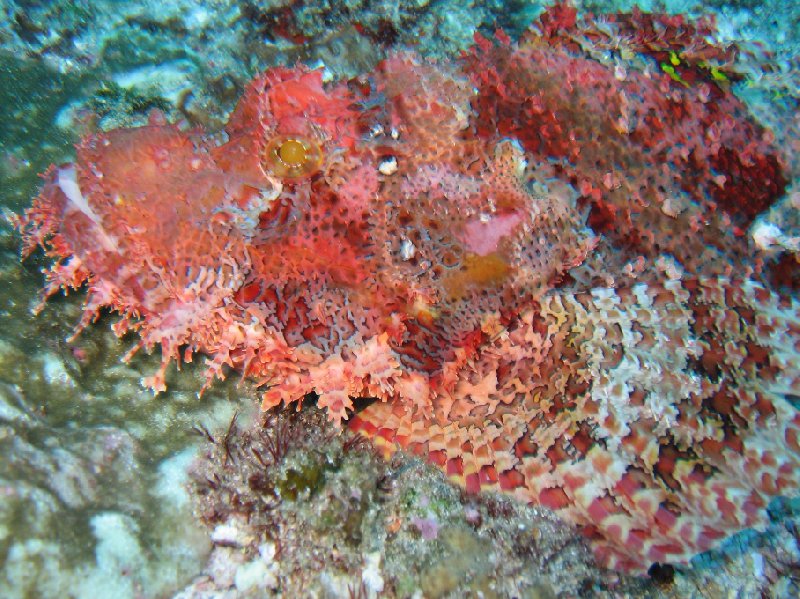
x: 524, y: 175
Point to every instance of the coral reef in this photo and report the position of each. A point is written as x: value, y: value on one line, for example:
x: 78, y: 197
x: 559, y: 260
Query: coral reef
x: 297, y: 509
x: 92, y: 468
x: 535, y: 259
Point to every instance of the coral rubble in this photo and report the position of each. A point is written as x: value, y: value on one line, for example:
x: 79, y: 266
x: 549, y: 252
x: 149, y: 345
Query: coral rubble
x: 297, y: 509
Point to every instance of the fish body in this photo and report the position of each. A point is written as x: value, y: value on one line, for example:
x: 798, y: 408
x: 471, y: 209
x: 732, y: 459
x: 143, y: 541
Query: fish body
x: 532, y: 259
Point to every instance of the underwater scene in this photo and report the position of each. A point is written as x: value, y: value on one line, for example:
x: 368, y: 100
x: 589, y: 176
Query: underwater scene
x: 412, y: 299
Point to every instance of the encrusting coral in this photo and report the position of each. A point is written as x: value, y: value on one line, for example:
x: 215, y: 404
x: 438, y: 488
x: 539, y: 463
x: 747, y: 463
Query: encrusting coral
x: 535, y: 259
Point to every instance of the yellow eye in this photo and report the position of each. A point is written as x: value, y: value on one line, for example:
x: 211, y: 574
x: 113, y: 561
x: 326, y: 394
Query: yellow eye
x: 292, y: 157
x: 292, y: 153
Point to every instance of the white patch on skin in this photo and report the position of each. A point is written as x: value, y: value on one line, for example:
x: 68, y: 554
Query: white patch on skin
x: 67, y: 181
x: 388, y: 166
x: 769, y: 237
x: 407, y: 249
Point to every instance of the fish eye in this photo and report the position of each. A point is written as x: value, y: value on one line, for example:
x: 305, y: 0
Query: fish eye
x: 292, y: 157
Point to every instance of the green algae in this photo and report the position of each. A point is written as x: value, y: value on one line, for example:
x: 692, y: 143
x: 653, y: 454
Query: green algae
x: 32, y: 95
x: 111, y: 97
x: 301, y: 482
